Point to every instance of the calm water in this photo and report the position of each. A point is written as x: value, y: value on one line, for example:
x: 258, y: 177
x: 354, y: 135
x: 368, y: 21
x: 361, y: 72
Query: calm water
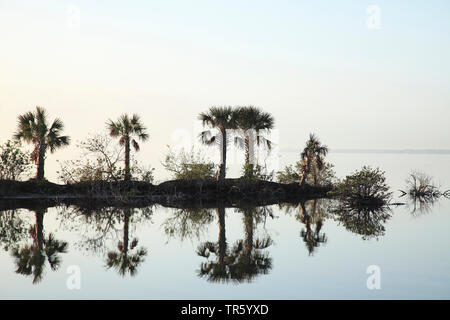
x: 270, y: 253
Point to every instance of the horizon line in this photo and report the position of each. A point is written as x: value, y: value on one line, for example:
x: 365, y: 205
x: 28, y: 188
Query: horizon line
x: 386, y: 151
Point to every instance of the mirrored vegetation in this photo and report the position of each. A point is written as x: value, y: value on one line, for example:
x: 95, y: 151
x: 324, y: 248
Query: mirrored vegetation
x: 241, y: 262
x: 31, y: 258
x: 422, y: 193
x: 368, y: 221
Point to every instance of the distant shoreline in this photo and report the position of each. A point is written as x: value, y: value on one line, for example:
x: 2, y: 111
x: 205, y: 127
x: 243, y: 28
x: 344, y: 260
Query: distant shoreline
x: 385, y: 151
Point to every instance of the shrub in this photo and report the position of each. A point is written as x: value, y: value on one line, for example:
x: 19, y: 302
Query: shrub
x: 14, y: 163
x: 256, y: 172
x: 101, y: 160
x: 189, y: 165
x: 366, y: 186
x: 324, y: 177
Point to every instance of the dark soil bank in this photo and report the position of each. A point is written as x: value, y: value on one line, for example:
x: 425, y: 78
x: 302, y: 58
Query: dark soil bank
x: 170, y: 193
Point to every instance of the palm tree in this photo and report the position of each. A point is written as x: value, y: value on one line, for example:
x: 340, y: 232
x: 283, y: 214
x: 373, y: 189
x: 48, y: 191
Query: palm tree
x: 223, y: 267
x: 126, y: 128
x: 251, y: 121
x: 30, y: 259
x: 33, y: 128
x: 311, y: 238
x: 251, y: 260
x: 122, y: 260
x: 221, y: 118
x: 314, y: 150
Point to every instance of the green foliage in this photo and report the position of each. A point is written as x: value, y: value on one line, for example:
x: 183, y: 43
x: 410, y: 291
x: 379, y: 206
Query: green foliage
x: 323, y: 176
x: 290, y: 174
x: 101, y: 160
x: 256, y: 172
x: 189, y: 165
x: 34, y: 128
x: 366, y: 186
x: 14, y: 163
x: 366, y: 221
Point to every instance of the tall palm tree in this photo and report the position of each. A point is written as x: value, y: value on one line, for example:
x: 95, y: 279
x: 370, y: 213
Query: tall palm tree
x: 123, y: 260
x: 251, y: 121
x: 251, y: 260
x: 126, y: 128
x: 218, y: 270
x: 222, y: 119
x: 33, y: 128
x: 313, y: 150
x: 30, y: 259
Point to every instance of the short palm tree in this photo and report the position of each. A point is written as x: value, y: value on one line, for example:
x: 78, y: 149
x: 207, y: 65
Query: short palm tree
x: 314, y: 150
x: 33, y: 128
x: 251, y: 121
x: 126, y: 128
x: 222, y: 119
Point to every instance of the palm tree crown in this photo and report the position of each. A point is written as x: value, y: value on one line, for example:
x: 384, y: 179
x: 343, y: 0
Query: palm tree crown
x: 222, y: 119
x: 251, y: 121
x: 33, y: 128
x: 126, y: 128
x: 313, y: 150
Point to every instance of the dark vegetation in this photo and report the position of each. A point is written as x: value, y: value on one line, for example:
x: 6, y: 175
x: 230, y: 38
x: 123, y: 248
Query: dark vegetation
x: 106, y: 172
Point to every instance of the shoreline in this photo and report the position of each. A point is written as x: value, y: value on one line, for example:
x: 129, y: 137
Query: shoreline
x: 174, y: 193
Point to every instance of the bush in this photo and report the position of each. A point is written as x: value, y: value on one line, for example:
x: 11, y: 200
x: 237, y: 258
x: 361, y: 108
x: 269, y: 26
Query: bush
x: 256, y: 172
x: 101, y: 160
x: 189, y: 165
x: 366, y: 186
x: 324, y: 177
x: 14, y: 163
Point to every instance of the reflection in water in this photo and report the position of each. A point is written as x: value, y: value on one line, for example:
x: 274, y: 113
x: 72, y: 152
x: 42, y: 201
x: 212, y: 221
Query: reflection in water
x: 367, y: 221
x: 100, y: 227
x: 244, y: 260
x: 123, y: 260
x: 12, y: 229
x: 419, y: 205
x: 188, y: 223
x: 312, y: 214
x: 107, y: 232
x: 30, y: 258
x: 312, y: 238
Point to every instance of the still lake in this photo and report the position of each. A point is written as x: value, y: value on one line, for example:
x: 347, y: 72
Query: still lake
x: 271, y: 252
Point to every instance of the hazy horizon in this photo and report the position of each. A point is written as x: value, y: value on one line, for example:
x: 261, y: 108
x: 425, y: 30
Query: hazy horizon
x: 317, y: 67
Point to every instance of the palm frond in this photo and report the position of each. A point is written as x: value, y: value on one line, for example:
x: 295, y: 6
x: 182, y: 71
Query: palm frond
x: 135, y: 145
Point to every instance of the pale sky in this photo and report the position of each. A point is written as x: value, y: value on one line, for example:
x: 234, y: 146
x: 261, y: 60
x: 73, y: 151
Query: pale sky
x: 315, y: 65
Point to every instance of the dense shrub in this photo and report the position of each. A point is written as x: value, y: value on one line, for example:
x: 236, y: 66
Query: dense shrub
x: 366, y: 186
x: 189, y: 165
x: 14, y: 163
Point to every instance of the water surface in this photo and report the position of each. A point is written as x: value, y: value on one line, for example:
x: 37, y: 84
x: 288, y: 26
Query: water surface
x: 275, y: 252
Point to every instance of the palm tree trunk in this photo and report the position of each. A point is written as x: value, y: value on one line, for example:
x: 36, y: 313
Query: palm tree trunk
x: 126, y: 223
x: 222, y: 235
x: 223, y: 162
x: 249, y: 155
x: 127, y: 159
x: 39, y: 228
x: 305, y: 172
x: 41, y: 162
x: 248, y: 219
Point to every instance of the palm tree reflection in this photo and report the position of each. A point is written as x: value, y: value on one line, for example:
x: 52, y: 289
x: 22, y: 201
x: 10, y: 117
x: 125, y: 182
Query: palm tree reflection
x: 125, y: 260
x: 30, y: 258
x: 312, y: 238
x: 243, y: 261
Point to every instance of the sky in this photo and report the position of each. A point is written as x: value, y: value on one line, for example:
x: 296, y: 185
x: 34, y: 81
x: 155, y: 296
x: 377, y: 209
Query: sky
x: 356, y: 76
